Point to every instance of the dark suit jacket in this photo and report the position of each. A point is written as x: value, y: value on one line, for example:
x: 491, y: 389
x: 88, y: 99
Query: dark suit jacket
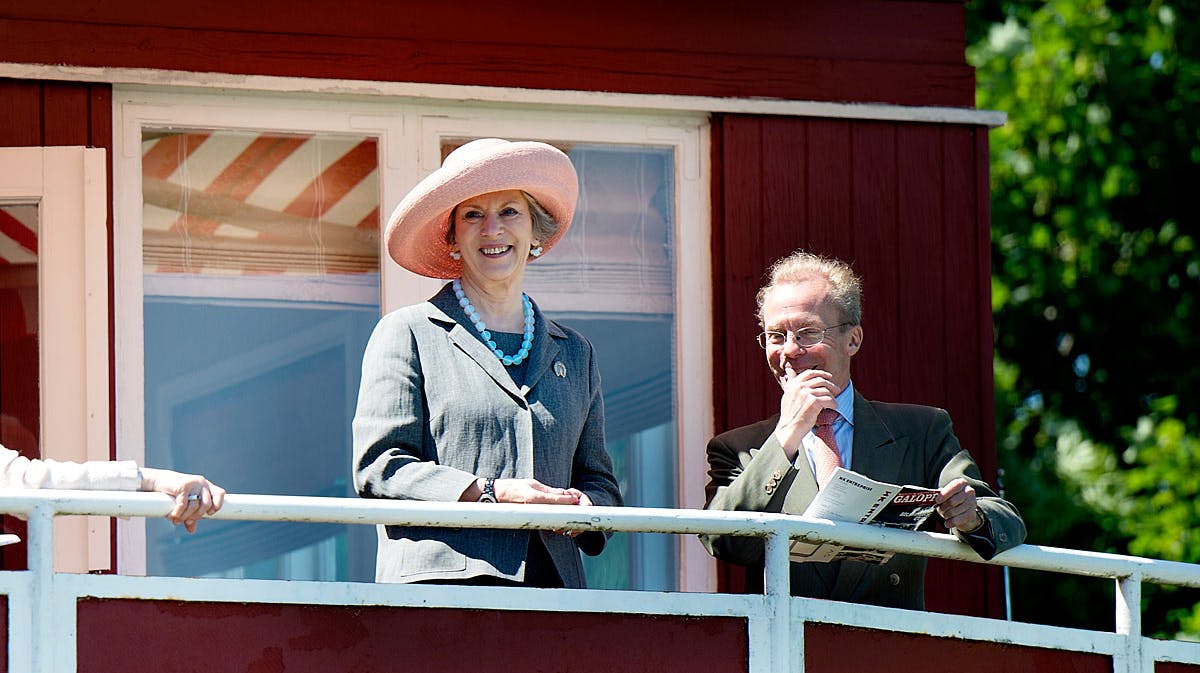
x: 896, y: 443
x: 436, y: 409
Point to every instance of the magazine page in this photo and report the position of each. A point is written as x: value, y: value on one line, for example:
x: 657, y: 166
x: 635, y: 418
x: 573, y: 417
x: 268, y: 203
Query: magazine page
x: 911, y: 507
x: 807, y: 552
x: 850, y: 496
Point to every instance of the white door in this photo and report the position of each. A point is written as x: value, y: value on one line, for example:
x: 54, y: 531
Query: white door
x: 54, y: 322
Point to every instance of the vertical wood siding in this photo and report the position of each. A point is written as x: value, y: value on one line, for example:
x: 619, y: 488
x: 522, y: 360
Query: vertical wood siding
x: 833, y: 649
x: 906, y: 204
x: 907, y: 53
x: 131, y: 636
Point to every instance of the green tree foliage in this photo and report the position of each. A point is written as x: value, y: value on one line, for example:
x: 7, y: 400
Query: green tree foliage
x: 1096, y: 282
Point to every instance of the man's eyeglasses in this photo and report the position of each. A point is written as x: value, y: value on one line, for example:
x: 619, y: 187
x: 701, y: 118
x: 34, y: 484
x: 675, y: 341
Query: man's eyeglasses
x: 804, y: 338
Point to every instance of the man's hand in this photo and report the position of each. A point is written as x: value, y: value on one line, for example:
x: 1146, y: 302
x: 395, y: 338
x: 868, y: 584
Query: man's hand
x: 804, y: 396
x: 957, y: 504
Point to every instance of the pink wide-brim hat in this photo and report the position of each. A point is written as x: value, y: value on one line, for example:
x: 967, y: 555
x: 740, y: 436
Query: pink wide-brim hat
x: 416, y: 231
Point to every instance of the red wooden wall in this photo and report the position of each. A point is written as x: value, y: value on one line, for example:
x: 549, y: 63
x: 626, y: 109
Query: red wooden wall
x: 34, y: 114
x: 909, y: 53
x: 907, y: 205
x: 833, y: 649
x: 130, y: 636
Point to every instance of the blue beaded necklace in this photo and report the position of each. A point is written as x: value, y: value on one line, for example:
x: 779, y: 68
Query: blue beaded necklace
x: 526, y: 341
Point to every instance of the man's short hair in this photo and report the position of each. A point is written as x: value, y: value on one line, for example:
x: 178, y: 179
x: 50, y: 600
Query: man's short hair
x: 845, y: 287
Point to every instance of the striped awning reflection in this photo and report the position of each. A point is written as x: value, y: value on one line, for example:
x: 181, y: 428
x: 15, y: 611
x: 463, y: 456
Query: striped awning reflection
x: 18, y: 234
x: 232, y: 202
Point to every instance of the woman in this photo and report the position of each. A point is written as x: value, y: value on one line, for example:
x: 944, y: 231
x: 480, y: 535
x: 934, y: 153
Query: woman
x: 474, y: 395
x: 194, y: 495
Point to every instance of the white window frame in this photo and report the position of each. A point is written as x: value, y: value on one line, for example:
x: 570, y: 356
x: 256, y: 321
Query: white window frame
x: 136, y: 110
x: 68, y: 184
x: 410, y: 138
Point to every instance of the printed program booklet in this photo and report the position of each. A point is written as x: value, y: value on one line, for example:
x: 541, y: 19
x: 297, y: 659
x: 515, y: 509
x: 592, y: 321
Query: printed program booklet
x: 850, y: 496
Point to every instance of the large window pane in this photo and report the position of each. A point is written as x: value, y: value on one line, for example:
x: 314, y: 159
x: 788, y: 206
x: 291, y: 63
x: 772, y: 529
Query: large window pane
x: 261, y: 287
x: 612, y: 278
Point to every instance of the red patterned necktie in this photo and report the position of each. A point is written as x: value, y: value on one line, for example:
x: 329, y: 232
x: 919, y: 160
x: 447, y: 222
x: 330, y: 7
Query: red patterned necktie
x: 825, y: 456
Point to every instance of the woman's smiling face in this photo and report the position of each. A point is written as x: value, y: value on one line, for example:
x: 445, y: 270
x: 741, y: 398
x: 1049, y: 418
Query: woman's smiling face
x: 494, y: 233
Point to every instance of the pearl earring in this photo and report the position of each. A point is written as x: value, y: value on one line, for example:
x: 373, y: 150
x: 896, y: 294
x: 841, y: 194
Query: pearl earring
x: 455, y: 255
x: 536, y: 251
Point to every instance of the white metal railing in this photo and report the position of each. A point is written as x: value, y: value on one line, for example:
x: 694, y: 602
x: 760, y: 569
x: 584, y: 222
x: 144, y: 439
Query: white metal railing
x: 40, y: 508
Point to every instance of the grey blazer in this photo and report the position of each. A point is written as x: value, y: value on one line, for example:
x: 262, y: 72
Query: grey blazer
x: 436, y: 409
x: 897, y: 443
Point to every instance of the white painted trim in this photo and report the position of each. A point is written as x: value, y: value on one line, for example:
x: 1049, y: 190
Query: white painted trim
x: 1171, y: 650
x: 315, y: 509
x: 135, y: 110
x: 422, y: 595
x: 128, y: 335
x: 759, y: 627
x: 694, y: 355
x: 598, y: 100
x: 962, y: 627
x: 331, y: 291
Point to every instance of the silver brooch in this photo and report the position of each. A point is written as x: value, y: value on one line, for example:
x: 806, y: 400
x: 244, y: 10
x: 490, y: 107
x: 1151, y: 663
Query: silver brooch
x: 560, y: 369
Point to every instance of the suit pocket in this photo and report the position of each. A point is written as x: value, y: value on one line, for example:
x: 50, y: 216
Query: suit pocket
x: 420, y: 555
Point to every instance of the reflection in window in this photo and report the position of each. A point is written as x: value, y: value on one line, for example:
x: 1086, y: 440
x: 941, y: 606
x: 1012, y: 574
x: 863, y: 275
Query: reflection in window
x: 612, y: 278
x: 261, y: 287
x: 19, y: 404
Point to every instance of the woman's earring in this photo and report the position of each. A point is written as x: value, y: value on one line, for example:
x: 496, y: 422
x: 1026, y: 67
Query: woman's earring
x: 536, y: 251
x: 455, y: 255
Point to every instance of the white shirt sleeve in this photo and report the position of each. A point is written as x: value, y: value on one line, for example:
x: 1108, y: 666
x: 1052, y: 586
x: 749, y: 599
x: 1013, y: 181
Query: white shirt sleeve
x: 17, y: 471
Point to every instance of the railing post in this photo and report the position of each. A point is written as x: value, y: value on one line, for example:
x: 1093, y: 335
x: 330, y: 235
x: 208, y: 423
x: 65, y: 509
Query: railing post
x: 779, y: 597
x: 1129, y: 623
x: 40, y: 558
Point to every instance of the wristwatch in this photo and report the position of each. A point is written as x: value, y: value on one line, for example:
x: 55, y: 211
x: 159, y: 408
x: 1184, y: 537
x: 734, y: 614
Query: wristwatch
x: 489, y: 490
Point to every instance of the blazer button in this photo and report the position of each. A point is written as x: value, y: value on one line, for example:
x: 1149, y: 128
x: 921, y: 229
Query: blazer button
x: 777, y: 476
x: 1004, y: 537
x: 894, y: 578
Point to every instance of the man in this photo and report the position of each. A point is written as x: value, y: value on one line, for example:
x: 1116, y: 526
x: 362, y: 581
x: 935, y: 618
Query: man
x: 810, y: 312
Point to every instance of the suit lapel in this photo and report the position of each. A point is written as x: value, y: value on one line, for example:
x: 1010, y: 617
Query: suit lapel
x: 879, y: 455
x: 545, y: 350
x: 803, y: 488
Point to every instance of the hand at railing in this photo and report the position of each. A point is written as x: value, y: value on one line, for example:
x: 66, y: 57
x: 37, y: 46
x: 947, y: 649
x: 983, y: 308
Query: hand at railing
x: 957, y: 504
x: 194, y: 495
x: 584, y: 501
x: 534, y: 492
